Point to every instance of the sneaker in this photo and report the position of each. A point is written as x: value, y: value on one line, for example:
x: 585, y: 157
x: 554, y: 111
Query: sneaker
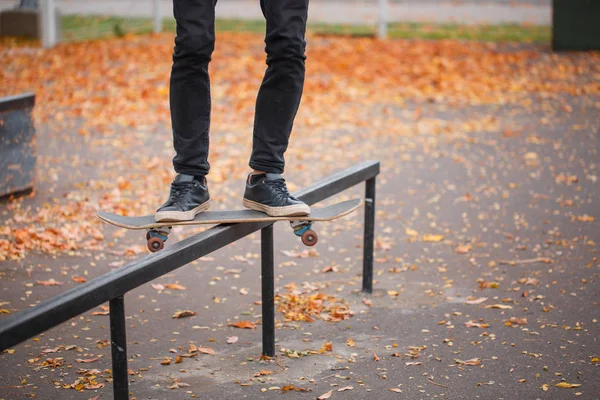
x: 268, y: 193
x: 188, y: 198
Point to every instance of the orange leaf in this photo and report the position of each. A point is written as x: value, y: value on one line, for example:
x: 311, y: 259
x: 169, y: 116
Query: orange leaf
x: 50, y: 282
x: 174, y: 286
x: 242, y: 324
x: 87, y: 360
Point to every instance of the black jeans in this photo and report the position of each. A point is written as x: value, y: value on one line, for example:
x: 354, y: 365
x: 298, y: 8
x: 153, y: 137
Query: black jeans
x: 278, y: 97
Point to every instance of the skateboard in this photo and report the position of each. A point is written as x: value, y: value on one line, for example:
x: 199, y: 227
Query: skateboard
x: 157, y: 232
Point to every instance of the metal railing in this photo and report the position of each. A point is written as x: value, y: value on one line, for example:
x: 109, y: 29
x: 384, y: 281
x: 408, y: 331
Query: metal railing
x: 114, y: 285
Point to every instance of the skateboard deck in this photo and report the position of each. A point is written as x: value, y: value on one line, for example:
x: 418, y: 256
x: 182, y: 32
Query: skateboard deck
x: 158, y: 231
x: 230, y: 217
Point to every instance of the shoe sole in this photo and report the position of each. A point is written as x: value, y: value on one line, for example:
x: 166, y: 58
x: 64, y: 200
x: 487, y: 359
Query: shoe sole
x: 175, y: 216
x: 287, y: 211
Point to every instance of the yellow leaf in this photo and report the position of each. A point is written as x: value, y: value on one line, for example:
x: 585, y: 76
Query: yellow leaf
x: 568, y: 385
x: 463, y: 249
x: 350, y: 342
x: 585, y: 218
x: 500, y: 306
x: 411, y: 232
x: 432, y: 238
x: 174, y: 286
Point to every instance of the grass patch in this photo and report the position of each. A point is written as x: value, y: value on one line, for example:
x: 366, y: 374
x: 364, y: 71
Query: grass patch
x: 76, y: 27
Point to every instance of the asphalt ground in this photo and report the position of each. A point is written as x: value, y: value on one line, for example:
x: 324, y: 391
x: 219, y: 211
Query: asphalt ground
x: 486, y: 274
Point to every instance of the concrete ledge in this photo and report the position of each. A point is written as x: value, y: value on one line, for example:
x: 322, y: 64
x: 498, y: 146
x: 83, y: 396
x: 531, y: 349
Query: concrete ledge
x: 17, y: 144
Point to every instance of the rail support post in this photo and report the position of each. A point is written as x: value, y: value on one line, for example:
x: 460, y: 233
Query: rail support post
x: 369, y: 236
x: 268, y: 290
x: 118, y: 344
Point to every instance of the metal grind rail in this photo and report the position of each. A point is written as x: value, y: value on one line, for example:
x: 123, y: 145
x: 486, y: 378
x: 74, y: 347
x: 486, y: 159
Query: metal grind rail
x: 113, y: 285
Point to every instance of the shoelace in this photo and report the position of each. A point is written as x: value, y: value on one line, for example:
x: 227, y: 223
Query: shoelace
x: 179, y: 189
x: 279, y: 187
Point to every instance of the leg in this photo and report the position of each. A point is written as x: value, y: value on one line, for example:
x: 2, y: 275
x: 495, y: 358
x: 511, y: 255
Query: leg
x: 281, y: 90
x: 190, y: 84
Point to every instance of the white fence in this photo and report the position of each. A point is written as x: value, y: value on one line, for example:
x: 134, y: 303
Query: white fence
x: 83, y: 19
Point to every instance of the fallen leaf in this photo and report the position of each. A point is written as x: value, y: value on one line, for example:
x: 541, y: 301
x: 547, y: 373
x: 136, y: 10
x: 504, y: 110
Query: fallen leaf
x: 53, y: 350
x: 166, y: 361
x: 432, y: 238
x: 325, y: 395
x: 242, y: 324
x: 79, y: 279
x: 473, y: 324
x: 206, y: 350
x: 585, y: 218
x: 488, y: 285
x: 410, y: 232
x: 499, y: 306
x: 184, y: 313
x: 395, y: 390
x: 566, y: 385
x: 87, y: 360
x: 472, y: 362
x: 476, y: 301
x: 463, y: 249
x: 263, y: 372
x: 345, y: 388
x: 178, y: 359
x: 327, y: 346
x: 411, y: 363
x: 50, y: 282
x: 158, y: 286
x: 350, y: 342
x: 174, y: 286
x: 375, y: 357
x: 232, y: 339
x: 516, y: 321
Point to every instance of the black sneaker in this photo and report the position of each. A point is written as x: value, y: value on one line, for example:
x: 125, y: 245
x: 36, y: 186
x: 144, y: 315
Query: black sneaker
x: 188, y: 197
x: 268, y: 193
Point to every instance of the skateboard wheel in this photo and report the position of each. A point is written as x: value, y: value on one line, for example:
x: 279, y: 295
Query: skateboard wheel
x: 310, y: 238
x: 155, y: 244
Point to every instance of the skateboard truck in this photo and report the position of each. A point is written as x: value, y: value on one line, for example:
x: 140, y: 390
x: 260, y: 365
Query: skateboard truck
x: 303, y: 229
x: 157, y: 237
